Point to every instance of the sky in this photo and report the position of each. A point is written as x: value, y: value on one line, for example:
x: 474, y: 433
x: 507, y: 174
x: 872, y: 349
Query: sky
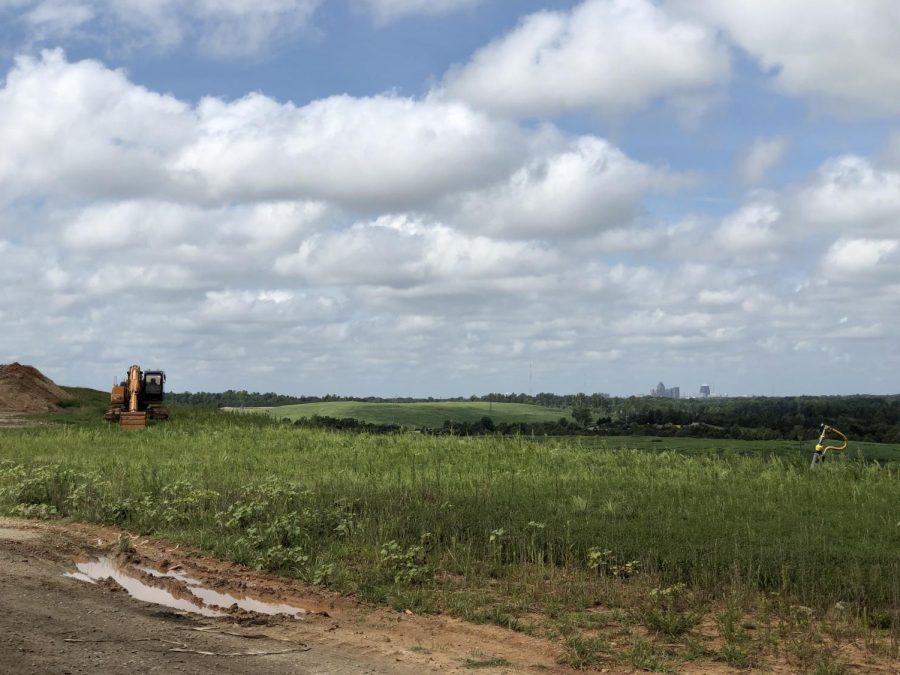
x: 453, y: 197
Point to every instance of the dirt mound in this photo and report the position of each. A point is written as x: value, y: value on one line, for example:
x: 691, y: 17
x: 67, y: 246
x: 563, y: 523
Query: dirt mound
x: 24, y: 389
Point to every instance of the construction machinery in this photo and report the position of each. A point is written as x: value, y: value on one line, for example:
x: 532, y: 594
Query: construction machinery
x: 819, y: 453
x: 138, y: 398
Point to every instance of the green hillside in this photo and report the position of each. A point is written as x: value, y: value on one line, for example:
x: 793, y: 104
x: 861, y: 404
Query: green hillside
x: 418, y: 414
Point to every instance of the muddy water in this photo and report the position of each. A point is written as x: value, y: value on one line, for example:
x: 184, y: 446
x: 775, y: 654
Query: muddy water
x: 186, y: 593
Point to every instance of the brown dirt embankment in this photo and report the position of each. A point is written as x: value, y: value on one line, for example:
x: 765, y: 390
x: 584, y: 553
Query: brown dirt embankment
x: 25, y: 389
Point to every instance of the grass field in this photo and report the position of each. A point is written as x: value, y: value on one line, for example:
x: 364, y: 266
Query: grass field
x: 417, y: 415
x: 857, y: 451
x: 619, y: 553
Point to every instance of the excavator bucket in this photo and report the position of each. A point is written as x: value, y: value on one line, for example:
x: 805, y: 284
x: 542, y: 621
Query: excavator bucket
x: 129, y: 421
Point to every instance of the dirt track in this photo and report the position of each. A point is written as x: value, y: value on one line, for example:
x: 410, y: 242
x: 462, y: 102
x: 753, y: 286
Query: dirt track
x: 50, y: 623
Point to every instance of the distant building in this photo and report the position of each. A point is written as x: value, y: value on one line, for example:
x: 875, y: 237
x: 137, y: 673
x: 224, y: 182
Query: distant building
x: 704, y: 391
x: 661, y: 391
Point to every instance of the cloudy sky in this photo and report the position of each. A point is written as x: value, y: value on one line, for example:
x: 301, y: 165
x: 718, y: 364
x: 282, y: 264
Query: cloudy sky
x: 453, y: 197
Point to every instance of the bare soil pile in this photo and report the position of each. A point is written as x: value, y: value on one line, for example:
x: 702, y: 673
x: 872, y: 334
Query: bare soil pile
x: 24, y: 389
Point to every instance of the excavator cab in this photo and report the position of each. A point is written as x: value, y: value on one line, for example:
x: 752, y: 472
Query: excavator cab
x: 153, y: 386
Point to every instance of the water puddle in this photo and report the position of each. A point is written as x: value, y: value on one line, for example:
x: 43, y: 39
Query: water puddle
x: 217, y: 599
x: 187, y: 594
x: 79, y: 576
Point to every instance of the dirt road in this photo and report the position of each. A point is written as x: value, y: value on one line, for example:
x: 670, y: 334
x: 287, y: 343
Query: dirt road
x: 52, y: 623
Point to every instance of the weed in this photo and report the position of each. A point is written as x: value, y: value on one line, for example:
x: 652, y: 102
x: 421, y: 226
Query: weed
x: 487, y: 662
x: 734, y: 656
x: 407, y: 565
x: 584, y: 652
x: 603, y: 561
x: 644, y: 656
x: 123, y: 544
x: 671, y: 610
x: 322, y: 574
x: 828, y: 665
x: 290, y: 559
x: 37, y: 511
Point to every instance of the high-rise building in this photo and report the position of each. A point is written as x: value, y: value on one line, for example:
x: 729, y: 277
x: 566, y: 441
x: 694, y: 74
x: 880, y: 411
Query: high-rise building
x: 662, y: 392
x: 705, y: 391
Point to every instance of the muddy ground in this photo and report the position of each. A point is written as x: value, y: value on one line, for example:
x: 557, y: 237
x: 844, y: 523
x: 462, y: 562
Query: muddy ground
x: 52, y: 623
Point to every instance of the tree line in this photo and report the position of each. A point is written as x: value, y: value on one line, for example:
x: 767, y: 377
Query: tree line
x: 237, y: 399
x: 241, y: 399
x: 864, y: 418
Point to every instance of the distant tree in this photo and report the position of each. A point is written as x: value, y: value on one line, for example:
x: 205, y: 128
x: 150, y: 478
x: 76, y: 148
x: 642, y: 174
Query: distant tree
x: 582, y: 415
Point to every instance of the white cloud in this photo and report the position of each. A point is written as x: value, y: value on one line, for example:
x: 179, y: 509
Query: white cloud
x: 401, y: 253
x: 760, y: 158
x: 850, y: 192
x: 84, y: 130
x: 81, y: 130
x: 584, y: 187
x: 855, y: 258
x: 390, y: 10
x: 58, y: 17
x: 383, y: 151
x: 185, y: 229
x: 749, y: 230
x: 849, y: 197
x: 841, y: 55
x: 222, y: 28
x: 267, y: 307
x: 608, y: 56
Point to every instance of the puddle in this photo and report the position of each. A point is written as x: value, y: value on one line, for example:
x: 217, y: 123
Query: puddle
x: 191, y: 596
x: 249, y: 604
x: 104, y: 568
x: 79, y: 576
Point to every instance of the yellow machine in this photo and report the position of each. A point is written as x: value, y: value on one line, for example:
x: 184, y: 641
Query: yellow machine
x: 819, y: 454
x: 137, y: 398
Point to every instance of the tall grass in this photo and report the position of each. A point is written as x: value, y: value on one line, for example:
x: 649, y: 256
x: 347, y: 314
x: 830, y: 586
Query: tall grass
x: 380, y: 514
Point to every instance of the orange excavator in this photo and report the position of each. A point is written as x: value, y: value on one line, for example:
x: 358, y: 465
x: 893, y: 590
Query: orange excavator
x: 138, y: 398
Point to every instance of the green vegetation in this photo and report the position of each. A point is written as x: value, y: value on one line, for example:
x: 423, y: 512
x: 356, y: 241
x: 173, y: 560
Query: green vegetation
x: 857, y: 451
x: 85, y: 407
x: 486, y: 662
x: 417, y: 415
x: 598, y: 547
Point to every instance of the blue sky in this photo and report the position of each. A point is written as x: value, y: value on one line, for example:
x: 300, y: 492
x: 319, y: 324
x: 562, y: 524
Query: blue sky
x: 452, y: 197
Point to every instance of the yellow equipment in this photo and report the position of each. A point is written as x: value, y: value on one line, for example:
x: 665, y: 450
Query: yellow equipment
x: 137, y: 398
x: 819, y: 455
